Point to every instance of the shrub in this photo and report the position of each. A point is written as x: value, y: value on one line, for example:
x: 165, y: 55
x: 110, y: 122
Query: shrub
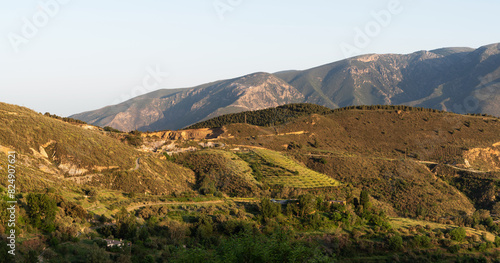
x: 458, y: 234
x: 396, y: 242
x: 269, y: 209
x: 364, y: 199
x: 454, y: 249
x: 110, y: 129
x: 134, y: 140
x: 307, y: 204
x: 41, y: 210
x: 497, y: 241
x: 421, y: 241
x: 204, y: 227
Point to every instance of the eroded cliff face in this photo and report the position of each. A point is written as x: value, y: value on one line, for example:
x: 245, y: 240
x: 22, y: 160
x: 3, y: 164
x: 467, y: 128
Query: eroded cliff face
x: 484, y: 158
x: 256, y: 92
x: 192, y: 134
x: 135, y: 117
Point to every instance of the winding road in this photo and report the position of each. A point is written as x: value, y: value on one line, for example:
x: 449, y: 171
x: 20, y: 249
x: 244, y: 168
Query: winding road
x: 137, y: 164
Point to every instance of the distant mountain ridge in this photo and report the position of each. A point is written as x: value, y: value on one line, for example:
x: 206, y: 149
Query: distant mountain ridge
x: 175, y: 109
x: 461, y: 80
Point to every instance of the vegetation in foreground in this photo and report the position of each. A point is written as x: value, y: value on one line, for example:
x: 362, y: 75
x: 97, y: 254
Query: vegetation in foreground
x: 309, y: 228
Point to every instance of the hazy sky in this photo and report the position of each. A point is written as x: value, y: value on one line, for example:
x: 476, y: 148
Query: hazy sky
x: 76, y: 55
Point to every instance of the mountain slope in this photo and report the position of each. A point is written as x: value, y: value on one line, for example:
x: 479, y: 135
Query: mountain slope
x: 174, y: 109
x: 461, y: 80
x: 52, y: 153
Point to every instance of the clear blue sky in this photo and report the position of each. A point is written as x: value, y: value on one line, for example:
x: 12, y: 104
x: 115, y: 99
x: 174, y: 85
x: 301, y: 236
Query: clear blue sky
x: 92, y: 53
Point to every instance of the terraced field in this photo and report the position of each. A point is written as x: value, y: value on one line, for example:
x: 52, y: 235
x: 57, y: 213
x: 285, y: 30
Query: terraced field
x: 300, y: 176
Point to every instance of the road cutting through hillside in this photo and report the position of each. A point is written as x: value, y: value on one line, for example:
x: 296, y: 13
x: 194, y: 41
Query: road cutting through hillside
x: 393, y: 159
x: 137, y: 164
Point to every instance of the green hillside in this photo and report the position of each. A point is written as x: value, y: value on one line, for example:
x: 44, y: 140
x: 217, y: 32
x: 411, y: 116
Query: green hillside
x: 297, y: 176
x: 266, y: 117
x: 221, y: 171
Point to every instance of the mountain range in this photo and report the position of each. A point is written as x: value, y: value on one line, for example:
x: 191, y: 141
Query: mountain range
x: 461, y: 80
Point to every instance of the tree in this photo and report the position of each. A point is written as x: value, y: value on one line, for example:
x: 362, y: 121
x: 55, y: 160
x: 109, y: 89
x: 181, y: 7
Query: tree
x: 396, y: 242
x: 32, y: 256
x: 126, y: 224
x: 496, y: 209
x: 176, y: 231
x: 204, y: 227
x: 124, y: 259
x: 149, y: 259
x: 269, y: 209
x: 307, y: 204
x: 97, y: 255
x: 421, y: 241
x: 458, y: 234
x: 41, y: 210
x: 364, y: 199
x: 497, y: 241
x: 143, y: 233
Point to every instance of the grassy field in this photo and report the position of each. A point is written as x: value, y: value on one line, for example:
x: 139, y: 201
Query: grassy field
x: 301, y: 177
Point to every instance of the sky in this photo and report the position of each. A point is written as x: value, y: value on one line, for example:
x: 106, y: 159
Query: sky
x: 70, y: 56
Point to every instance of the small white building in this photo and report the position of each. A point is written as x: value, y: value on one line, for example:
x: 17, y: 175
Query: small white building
x: 114, y: 243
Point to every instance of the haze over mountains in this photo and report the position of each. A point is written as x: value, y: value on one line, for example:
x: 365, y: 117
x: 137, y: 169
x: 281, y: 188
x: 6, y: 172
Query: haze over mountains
x: 461, y: 80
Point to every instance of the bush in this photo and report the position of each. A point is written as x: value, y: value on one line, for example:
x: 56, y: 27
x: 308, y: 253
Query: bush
x: 134, y: 140
x: 204, y: 227
x: 458, y: 234
x: 41, y: 210
x: 269, y: 209
x: 307, y: 204
x: 422, y: 241
x: 364, y: 199
x: 396, y: 242
x: 454, y: 249
x: 110, y: 129
x: 497, y: 241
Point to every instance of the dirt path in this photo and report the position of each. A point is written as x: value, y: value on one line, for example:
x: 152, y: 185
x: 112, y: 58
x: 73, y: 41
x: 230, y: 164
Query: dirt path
x: 392, y: 159
x: 137, y: 164
x: 249, y: 146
